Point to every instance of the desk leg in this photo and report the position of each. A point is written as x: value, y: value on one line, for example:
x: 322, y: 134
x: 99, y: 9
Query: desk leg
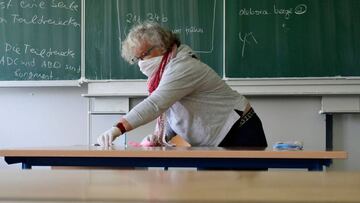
x: 25, y: 166
x: 89, y: 121
x: 329, y: 131
x: 318, y: 167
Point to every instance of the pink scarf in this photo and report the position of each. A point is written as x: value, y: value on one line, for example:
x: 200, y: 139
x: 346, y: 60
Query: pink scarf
x: 154, y: 80
x: 158, y: 137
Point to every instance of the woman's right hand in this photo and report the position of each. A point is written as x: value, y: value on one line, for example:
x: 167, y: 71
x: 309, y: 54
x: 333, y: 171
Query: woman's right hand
x: 107, y: 137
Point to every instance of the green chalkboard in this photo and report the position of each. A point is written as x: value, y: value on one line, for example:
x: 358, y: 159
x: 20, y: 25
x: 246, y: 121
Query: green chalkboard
x: 199, y: 23
x: 40, y: 40
x: 297, y: 38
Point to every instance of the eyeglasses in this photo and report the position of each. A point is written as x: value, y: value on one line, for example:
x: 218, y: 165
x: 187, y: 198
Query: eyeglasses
x: 143, y: 55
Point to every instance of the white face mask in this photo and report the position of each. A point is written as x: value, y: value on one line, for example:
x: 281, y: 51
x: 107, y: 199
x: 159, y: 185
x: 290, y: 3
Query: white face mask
x: 148, y: 66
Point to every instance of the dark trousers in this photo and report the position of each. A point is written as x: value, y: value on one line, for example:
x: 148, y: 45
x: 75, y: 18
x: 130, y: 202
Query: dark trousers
x: 247, y: 132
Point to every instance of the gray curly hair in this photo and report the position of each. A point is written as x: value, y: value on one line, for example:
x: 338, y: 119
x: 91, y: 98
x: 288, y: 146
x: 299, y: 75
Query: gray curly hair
x: 149, y: 32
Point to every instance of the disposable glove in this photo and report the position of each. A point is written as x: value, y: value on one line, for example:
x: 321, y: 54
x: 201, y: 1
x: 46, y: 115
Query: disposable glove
x: 107, y: 137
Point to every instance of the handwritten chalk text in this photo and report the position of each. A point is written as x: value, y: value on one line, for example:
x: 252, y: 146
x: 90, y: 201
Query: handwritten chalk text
x: 29, y: 75
x: 276, y: 10
x: 41, y: 52
x: 42, y: 20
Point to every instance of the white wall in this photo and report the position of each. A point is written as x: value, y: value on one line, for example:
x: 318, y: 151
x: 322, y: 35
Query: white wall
x: 45, y: 116
x: 347, y: 137
x: 57, y: 116
x: 292, y: 119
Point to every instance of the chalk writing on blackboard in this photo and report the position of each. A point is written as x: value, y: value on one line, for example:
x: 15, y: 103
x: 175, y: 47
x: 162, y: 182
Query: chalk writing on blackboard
x: 190, y: 29
x: 276, y: 10
x: 248, y: 38
x: 35, y: 42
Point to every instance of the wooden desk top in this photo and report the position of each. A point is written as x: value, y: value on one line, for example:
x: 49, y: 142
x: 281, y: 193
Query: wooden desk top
x: 169, y: 152
x: 179, y: 186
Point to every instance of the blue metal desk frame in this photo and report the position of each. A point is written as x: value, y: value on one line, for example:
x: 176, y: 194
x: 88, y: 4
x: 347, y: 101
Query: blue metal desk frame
x: 202, y: 162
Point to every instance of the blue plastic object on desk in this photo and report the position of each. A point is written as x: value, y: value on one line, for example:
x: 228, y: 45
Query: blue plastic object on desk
x: 288, y: 146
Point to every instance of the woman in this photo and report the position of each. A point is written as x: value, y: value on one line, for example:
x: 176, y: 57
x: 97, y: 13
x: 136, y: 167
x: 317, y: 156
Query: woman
x: 185, y: 96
